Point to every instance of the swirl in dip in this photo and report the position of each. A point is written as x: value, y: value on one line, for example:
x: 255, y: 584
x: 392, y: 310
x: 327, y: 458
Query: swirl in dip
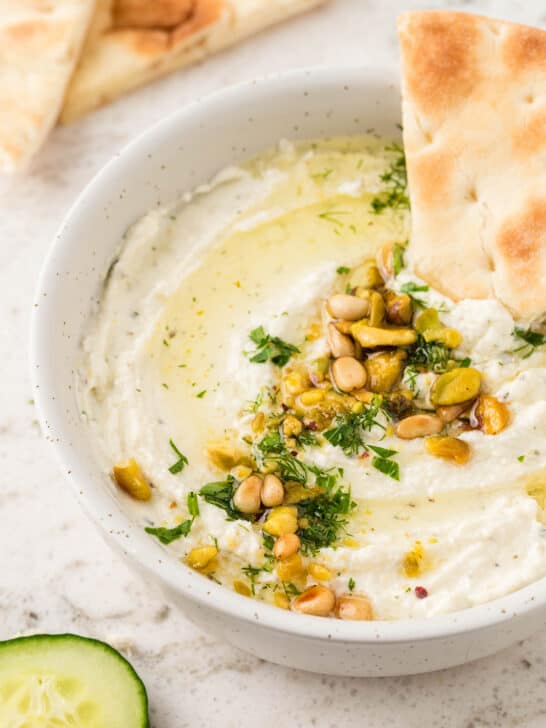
x: 299, y: 416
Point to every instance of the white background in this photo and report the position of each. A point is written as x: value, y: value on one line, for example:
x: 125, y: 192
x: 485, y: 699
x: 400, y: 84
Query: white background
x: 56, y: 573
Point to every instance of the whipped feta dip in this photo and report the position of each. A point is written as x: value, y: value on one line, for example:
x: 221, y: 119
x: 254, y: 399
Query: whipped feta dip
x: 167, y: 361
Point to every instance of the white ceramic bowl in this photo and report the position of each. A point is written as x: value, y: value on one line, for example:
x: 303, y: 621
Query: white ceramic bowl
x: 173, y: 157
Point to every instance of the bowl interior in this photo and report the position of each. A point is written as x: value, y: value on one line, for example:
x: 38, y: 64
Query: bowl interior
x: 173, y: 157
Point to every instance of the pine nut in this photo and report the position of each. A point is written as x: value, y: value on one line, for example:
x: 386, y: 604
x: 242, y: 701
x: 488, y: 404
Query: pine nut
x: 418, y: 426
x: 345, y: 306
x: 272, y: 493
x: 247, y: 496
x: 354, y: 607
x: 340, y: 344
x: 286, y: 545
x: 318, y: 600
x: 348, y: 374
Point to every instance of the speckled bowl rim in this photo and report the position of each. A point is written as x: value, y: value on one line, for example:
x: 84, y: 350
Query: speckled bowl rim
x: 122, y: 532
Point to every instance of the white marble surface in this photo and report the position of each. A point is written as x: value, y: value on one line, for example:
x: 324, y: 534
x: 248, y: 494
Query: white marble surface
x: 57, y: 574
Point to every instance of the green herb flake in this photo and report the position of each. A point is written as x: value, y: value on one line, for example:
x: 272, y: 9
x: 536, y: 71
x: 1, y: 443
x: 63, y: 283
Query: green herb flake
x: 182, y: 461
x: 270, y: 348
x: 333, y: 216
x: 351, y: 584
x: 397, y: 258
x: 394, y: 195
x: 193, y: 504
x: 465, y: 363
x: 201, y: 394
x: 325, y: 517
x: 168, y: 535
x: 531, y: 340
x: 387, y: 467
x: 521, y: 458
x: 342, y: 270
x: 220, y: 494
x: 349, y: 427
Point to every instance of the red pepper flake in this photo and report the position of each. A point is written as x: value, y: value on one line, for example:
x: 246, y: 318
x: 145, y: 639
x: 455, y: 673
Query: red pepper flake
x: 421, y: 592
x: 294, y: 453
x: 285, y: 407
x: 312, y: 426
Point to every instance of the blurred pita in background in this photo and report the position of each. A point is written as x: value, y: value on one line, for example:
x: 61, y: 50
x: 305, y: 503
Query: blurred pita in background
x: 40, y: 42
x: 474, y: 118
x: 132, y: 42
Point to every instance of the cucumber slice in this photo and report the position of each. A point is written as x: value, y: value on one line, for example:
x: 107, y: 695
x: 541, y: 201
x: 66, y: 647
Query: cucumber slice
x: 67, y: 681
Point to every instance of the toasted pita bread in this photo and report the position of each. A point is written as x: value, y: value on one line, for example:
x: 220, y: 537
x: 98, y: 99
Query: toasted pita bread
x: 40, y: 41
x: 132, y: 42
x: 474, y: 114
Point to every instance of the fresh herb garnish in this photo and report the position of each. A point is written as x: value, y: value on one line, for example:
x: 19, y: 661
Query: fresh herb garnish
x: 342, y: 270
x: 168, y: 535
x: 252, y: 572
x: 394, y: 195
x: 531, y: 339
x: 351, y: 584
x: 521, y: 458
x: 333, y: 216
x: 397, y: 258
x: 465, y: 363
x: 410, y: 375
x: 383, y: 462
x: 270, y: 348
x: 324, y: 518
x: 349, y: 427
x: 220, y: 494
x: 410, y: 288
x: 181, y: 463
x: 429, y: 356
x: 306, y: 439
x: 201, y: 394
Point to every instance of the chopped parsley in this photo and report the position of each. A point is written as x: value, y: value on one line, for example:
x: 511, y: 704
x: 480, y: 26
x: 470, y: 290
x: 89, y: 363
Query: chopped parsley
x: 531, y: 340
x: 351, y: 584
x: 342, y: 270
x: 397, y: 258
x: 465, y: 363
x: 395, y: 179
x: 201, y: 394
x: 521, y: 458
x: 383, y: 461
x: 181, y: 463
x: 270, y: 348
x: 349, y: 428
x: 168, y: 535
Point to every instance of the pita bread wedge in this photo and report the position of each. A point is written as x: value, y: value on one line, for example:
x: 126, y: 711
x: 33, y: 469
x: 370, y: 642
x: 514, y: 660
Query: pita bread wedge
x: 132, y: 42
x: 474, y: 116
x: 40, y: 41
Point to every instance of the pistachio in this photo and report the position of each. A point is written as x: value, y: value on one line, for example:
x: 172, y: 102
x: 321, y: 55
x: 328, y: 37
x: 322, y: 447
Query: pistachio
x: 384, y: 370
x: 318, y: 600
x: 398, y: 308
x: 456, y: 386
x: 226, y: 456
x: 366, y: 275
x: 340, y: 344
x: 348, y: 373
x: 291, y: 426
x: 418, y: 426
x: 286, y: 545
x: 247, y: 496
x: 492, y: 415
x: 355, y: 607
x: 448, y: 448
x: 370, y: 337
x: 449, y: 412
x: 130, y: 478
x: 272, y: 493
x: 347, y: 307
x: 377, y: 309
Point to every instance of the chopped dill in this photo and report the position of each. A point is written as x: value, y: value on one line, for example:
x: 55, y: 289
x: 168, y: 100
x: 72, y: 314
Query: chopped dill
x: 333, y: 216
x: 531, y: 340
x: 394, y: 195
x: 349, y: 428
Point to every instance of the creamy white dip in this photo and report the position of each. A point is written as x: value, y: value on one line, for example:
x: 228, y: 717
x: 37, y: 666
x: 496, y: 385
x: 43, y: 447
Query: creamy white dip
x: 164, y: 359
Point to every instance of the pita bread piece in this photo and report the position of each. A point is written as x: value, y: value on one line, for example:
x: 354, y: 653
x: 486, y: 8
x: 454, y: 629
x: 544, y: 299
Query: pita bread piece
x: 132, y: 42
x: 474, y: 115
x: 40, y: 41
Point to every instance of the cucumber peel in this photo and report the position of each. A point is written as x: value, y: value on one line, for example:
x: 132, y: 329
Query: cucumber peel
x: 68, y: 681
